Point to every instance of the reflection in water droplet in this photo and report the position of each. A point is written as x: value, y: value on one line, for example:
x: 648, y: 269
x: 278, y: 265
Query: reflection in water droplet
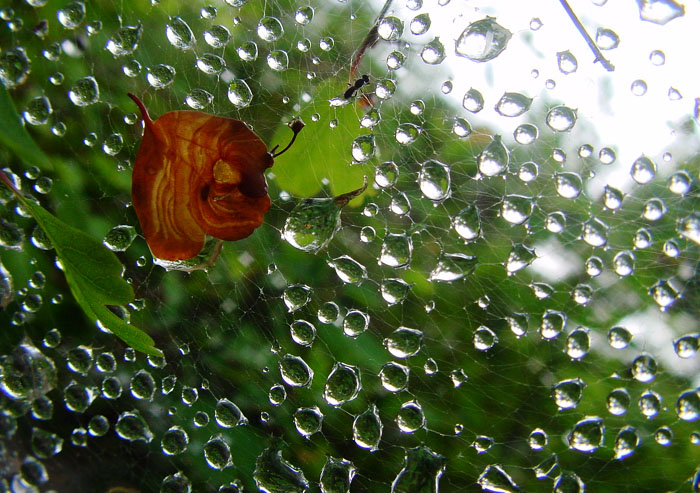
x: 516, y: 209
x: 394, y: 290
x: 467, y: 223
x: 295, y: 372
x: 513, y: 104
x: 520, y: 256
x: 453, y: 267
x: 484, y: 338
x: 125, y: 40
x: 217, y: 453
x: 85, y: 91
x: 217, y: 36
x: 175, y: 441
x: 526, y: 134
x: 606, y: 39
x: 394, y: 376
x: 132, y: 427
x: 355, y: 323
x: 343, y: 384
x: 538, y: 439
x: 434, y: 180
x: 337, y: 475
x: 160, y: 76
x: 71, y: 15
x: 587, y: 434
x: 328, y: 313
x: 649, y: 403
x: 296, y: 296
x: 179, y: 33
x: 367, y: 429
x: 561, y: 118
x: 38, y: 111
x: 404, y: 342
x: 483, y: 40
x: 687, y: 346
x: 308, y: 420
x: 660, y: 11
x: 473, y: 101
x: 567, y: 62
x: 553, y: 322
x: 410, y: 417
x: 568, y: 393
x: 390, y: 28
x: 664, y: 436
x: 198, y: 99
x: 494, y: 159
x: 420, y: 24
x: 496, y: 480
x: 421, y: 471
x: 433, y: 53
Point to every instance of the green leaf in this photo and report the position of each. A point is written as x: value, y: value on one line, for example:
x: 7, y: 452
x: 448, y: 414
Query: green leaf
x: 93, y: 273
x: 313, y: 156
x: 14, y: 136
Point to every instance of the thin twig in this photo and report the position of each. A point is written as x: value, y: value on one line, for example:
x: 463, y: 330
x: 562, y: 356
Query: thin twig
x: 596, y: 51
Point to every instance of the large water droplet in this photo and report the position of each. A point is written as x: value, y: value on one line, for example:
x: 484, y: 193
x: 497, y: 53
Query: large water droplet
x: 483, y: 40
x: 175, y: 441
x: 433, y: 53
x: 198, y: 99
x: 14, y: 67
x: 337, y: 475
x: 606, y: 39
x: 618, y: 401
x: 228, y: 414
x: 295, y: 372
x: 71, y: 15
x: 643, y: 170
x: 473, y: 101
x: 421, y: 472
x: 561, y: 118
x: 85, y: 91
x: 587, y: 434
x: 273, y: 473
x: 270, y: 29
x: 367, y: 428
x: 520, y: 256
x: 179, y: 33
x: 494, y: 159
x: 567, y: 62
x: 644, y: 368
x: 38, y: 111
x: 308, y: 420
x: 27, y: 373
x: 210, y: 64
x: 363, y: 148
x: 568, y: 393
x: 343, y: 384
x: 595, y: 232
x: 453, y: 267
x: 404, y: 342
x: 278, y: 60
x: 553, y: 322
x: 217, y: 453
x: 688, y: 405
x: 434, y: 180
x: 410, y: 417
x: 394, y: 290
x: 296, y: 296
x: 348, y: 269
x: 160, y: 76
x: 396, y: 250
x: 513, y: 104
x: 496, y: 480
x: 516, y: 209
x: 394, y: 376
x: 660, y: 11
x: 125, y: 40
x: 132, y: 427
x: 390, y: 28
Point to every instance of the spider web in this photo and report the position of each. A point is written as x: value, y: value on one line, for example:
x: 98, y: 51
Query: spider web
x: 510, y: 281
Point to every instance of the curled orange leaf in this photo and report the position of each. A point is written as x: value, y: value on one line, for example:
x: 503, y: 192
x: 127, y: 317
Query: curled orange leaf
x: 195, y: 175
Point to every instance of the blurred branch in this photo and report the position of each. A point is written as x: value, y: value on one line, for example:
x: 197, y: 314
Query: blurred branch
x: 596, y: 51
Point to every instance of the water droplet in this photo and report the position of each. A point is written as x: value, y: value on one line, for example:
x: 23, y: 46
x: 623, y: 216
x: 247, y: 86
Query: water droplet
x: 363, y: 148
x: 410, y: 417
x: 404, y: 342
x: 657, y: 57
x: 228, y: 414
x: 618, y: 401
x: 660, y: 11
x: 396, y: 250
x: 513, y: 104
x: 567, y: 62
x: 175, y: 441
x: 390, y: 28
x: 71, y: 15
x: 179, y: 33
x: 355, y: 323
x: 587, y: 434
x: 433, y: 53
x: 407, y: 133
x: 386, y: 174
x: 132, y: 427
x: 337, y: 475
x: 473, y: 101
x: 578, y: 343
x: 553, y: 322
x: 85, y: 91
x: 308, y: 420
x: 653, y: 210
x: 273, y: 473
x: 568, y: 393
x: 38, y: 111
x: 496, y: 480
x: 561, y: 118
x: 343, y: 384
x: 394, y: 290
x: 421, y: 471
x: 295, y: 372
x: 689, y: 227
x: 494, y: 159
x: 296, y: 296
x: 367, y: 429
x: 160, y: 76
x: 348, y: 269
x: 394, y: 376
x: 217, y: 453
x: 15, y: 67
x: 113, y: 144
x: 643, y: 170
x: 119, y: 238
x: 482, y: 40
x: 569, y: 482
x: 664, y: 436
x: 111, y: 388
x: 304, y: 15
x: 217, y: 36
x: 649, y: 404
x: 520, y: 256
x: 606, y: 39
x: 679, y: 182
x: 11, y: 236
x: 538, y: 439
x: 687, y: 346
x: 27, y: 373
x: 688, y: 405
x: 644, y: 368
x: 623, y: 263
x: 434, y: 180
x: 210, y: 64
x: 270, y: 29
x: 453, y: 267
x: 526, y: 134
x: 420, y: 24
x: 395, y: 60
x: 198, y: 99
x: 302, y: 332
x: 664, y: 294
x: 278, y: 60
x: 328, y: 313
x: 385, y: 89
x: 595, y: 232
x: 45, y: 444
x: 125, y: 40
x: 516, y: 209
x: 619, y: 337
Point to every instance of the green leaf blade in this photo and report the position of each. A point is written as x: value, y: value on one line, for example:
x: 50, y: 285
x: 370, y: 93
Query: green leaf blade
x: 14, y: 135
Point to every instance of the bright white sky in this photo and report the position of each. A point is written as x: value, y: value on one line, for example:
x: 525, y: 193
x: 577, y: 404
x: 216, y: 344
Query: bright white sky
x: 609, y: 114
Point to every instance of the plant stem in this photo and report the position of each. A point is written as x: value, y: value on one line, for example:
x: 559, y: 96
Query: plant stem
x: 596, y: 51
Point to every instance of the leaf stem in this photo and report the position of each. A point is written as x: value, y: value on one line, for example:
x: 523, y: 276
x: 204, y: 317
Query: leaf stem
x: 596, y: 51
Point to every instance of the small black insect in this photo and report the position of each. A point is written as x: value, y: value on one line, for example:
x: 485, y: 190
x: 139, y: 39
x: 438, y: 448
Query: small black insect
x: 356, y: 86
